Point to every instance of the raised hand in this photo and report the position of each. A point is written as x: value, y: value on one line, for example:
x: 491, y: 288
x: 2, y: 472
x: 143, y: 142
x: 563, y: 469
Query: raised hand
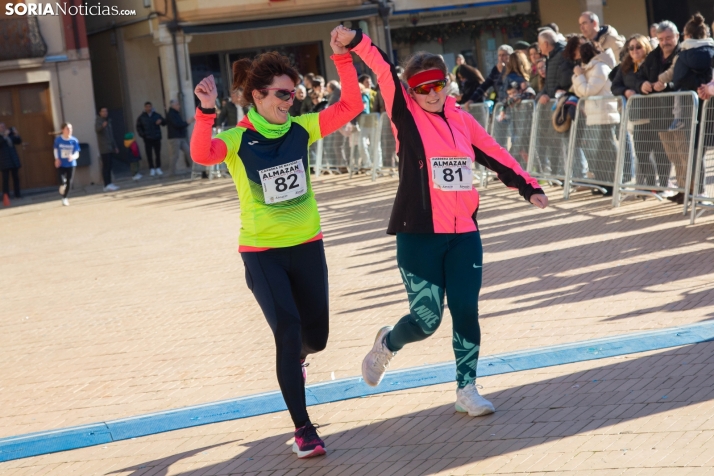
x: 206, y: 92
x: 337, y: 48
x: 344, y: 35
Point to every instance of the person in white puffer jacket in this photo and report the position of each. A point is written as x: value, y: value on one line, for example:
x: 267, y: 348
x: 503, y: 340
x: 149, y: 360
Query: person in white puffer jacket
x: 592, y: 85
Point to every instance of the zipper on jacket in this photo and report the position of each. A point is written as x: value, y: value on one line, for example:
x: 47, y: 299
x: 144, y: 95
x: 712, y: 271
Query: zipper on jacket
x: 442, y: 115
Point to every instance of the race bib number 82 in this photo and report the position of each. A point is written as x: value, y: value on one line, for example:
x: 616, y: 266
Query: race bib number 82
x: 452, y: 174
x: 283, y: 182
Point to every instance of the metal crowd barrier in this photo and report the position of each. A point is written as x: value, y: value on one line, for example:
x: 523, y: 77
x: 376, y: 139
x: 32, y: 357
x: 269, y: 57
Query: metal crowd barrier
x: 213, y: 171
x: 482, y: 113
x: 548, y: 148
x: 593, y: 148
x: 512, y: 126
x: 387, y: 150
x: 662, y: 130
x: 703, y: 193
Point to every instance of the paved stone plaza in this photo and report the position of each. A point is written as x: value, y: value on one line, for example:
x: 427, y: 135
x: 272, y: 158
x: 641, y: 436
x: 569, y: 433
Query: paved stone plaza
x: 135, y: 302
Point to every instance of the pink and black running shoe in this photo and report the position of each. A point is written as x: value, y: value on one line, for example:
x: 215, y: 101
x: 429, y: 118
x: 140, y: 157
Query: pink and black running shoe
x: 307, y: 443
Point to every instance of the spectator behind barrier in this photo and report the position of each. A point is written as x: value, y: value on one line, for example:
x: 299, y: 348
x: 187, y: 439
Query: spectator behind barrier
x: 540, y: 68
x: 653, y: 36
x: 470, y: 79
x: 552, y: 49
x: 660, y: 60
x: 300, y: 96
x: 571, y: 55
x: 534, y: 56
x: 334, y: 91
x: 495, y: 78
x: 693, y: 67
x: 517, y: 69
x: 554, y: 28
x: 605, y: 35
x: 640, y: 124
x: 591, y: 79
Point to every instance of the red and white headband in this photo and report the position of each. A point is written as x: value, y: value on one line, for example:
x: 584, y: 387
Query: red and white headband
x: 426, y: 77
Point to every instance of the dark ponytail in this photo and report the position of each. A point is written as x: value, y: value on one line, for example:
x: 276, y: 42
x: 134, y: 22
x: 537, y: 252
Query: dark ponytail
x: 258, y: 74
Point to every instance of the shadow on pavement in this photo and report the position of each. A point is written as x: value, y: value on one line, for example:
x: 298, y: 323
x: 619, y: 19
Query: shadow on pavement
x: 626, y: 393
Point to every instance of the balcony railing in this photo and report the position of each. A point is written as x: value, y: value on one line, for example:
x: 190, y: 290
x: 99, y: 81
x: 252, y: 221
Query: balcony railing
x: 20, y: 38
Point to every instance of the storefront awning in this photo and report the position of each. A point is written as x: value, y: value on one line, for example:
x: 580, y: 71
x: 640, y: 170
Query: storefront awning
x: 357, y: 14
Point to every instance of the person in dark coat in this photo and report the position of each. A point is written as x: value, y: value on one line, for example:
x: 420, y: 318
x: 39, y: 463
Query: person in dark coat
x: 625, y: 83
x: 552, y: 49
x: 660, y: 59
x: 148, y: 126
x: 177, y: 130
x: 692, y: 68
x: 9, y: 162
x: 554, y: 143
x: 300, y: 96
x: 470, y: 79
x: 495, y: 79
x: 656, y: 63
x: 232, y: 113
x: 107, y: 147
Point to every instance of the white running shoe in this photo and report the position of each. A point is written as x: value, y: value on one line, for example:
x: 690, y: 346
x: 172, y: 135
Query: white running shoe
x: 65, y: 202
x: 137, y: 176
x: 159, y: 172
x: 111, y: 188
x: 152, y: 172
x: 62, y: 188
x: 375, y: 363
x: 469, y: 401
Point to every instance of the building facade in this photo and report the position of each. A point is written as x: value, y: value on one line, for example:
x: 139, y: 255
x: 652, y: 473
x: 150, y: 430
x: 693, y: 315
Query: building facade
x: 169, y: 46
x: 45, y: 80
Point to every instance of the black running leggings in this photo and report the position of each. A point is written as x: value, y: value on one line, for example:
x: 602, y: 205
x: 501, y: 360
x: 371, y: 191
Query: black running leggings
x: 66, y: 175
x: 290, y: 285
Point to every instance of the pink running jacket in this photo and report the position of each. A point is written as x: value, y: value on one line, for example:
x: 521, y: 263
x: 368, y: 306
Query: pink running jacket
x: 420, y: 206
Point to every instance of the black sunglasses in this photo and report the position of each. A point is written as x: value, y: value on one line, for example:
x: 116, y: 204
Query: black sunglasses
x: 282, y: 94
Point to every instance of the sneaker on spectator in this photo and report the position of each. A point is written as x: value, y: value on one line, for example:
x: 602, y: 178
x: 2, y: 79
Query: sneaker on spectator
x: 137, y: 176
x: 111, y: 188
x: 159, y: 172
x: 676, y: 125
x: 152, y: 172
x: 65, y: 202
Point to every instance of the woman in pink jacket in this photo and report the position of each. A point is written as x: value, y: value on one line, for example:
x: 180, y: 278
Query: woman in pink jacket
x: 434, y: 215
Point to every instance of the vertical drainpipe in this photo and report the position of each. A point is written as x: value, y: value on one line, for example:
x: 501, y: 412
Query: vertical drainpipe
x: 173, y: 27
x: 385, y: 10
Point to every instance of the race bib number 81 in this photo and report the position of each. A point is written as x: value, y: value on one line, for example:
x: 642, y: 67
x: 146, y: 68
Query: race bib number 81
x: 283, y: 182
x: 452, y: 174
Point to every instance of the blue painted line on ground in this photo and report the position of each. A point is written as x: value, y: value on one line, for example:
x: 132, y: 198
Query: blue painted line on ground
x: 35, y: 444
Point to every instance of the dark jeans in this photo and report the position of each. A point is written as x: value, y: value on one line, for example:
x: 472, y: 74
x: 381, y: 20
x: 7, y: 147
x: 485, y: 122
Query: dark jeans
x: 107, y: 162
x: 434, y: 264
x: 66, y: 175
x: 645, y: 139
x: 153, y: 145
x: 15, y: 181
x: 290, y: 285
x: 601, y: 151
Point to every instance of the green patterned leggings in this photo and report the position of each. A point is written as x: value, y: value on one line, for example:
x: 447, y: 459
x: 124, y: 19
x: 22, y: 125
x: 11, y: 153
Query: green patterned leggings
x: 433, y: 265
